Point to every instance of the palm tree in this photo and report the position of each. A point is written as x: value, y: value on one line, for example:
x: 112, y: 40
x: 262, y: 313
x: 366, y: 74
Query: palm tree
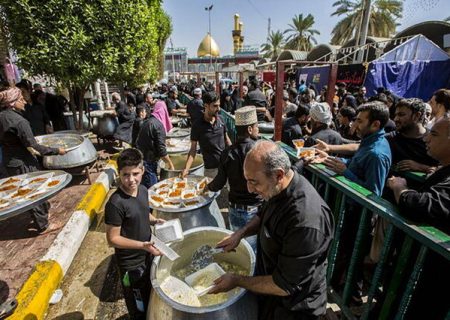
x: 382, y: 20
x: 301, y: 33
x: 274, y: 45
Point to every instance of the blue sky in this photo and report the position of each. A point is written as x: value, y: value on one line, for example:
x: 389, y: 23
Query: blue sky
x: 190, y: 20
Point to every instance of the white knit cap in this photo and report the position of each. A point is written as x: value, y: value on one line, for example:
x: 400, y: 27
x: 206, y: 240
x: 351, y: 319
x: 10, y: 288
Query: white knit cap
x: 321, y: 112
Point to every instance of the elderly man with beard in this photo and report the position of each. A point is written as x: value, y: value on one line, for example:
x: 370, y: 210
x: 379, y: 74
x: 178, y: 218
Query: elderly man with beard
x: 211, y: 133
x: 294, y: 228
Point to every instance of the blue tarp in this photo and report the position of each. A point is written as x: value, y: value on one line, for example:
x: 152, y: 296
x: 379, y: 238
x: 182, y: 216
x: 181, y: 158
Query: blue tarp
x: 414, y: 69
x: 416, y: 48
x: 418, y: 79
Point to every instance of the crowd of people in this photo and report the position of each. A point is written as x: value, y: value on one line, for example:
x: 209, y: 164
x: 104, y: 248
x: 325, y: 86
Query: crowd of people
x: 369, y: 140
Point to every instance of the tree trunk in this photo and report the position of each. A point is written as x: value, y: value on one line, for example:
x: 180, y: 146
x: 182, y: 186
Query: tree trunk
x: 73, y: 106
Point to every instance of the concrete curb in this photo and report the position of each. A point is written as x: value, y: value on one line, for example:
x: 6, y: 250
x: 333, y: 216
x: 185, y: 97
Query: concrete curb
x: 34, y: 296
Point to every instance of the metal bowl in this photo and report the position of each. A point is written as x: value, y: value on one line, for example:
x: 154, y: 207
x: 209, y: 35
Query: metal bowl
x: 178, y: 133
x: 61, y: 140
x: 240, y: 304
x: 83, y: 155
x: 266, y: 127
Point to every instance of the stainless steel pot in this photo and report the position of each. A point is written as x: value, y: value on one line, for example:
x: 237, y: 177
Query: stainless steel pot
x: 68, y: 118
x: 179, y: 160
x: 84, y: 154
x: 240, y: 305
x: 83, y: 133
x: 266, y: 127
x: 104, y: 122
x: 178, y: 133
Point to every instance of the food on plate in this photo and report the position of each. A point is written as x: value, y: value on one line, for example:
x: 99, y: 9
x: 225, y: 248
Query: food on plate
x: 21, y: 192
x: 53, y: 183
x: 189, y: 195
x: 156, y: 198
x: 307, y: 152
x: 163, y: 192
x: 37, y: 180
x: 164, y: 185
x: 191, y: 202
x: 10, y: 180
x: 180, y: 185
x: 3, y: 201
x: 298, y: 143
x: 175, y: 193
x: 8, y: 187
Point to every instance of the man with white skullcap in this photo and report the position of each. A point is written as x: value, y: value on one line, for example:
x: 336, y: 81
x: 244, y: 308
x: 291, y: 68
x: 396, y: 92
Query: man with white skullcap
x: 243, y: 205
x: 321, y: 120
x: 195, y: 106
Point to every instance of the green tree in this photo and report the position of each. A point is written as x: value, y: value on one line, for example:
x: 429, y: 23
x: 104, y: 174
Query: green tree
x: 301, y: 33
x: 382, y: 21
x: 275, y: 43
x: 76, y: 42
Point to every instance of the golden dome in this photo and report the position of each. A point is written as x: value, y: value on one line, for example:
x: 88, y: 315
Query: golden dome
x: 204, y: 47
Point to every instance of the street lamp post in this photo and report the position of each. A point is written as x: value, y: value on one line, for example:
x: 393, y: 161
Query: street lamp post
x: 173, y: 60
x: 209, y: 31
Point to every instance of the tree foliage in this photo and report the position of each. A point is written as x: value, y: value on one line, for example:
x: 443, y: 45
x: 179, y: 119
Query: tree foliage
x: 384, y: 15
x: 301, y: 33
x: 79, y: 41
x: 274, y: 44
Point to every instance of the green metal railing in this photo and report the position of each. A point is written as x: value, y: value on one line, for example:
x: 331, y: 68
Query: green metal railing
x: 412, y: 243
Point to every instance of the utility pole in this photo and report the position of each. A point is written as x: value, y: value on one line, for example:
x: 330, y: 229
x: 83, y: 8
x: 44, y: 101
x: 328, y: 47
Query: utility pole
x: 365, y: 28
x: 268, y: 28
x: 173, y: 60
x: 209, y: 31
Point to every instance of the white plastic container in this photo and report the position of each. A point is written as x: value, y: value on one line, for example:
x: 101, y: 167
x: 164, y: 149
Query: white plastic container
x: 169, y: 231
x: 203, y: 280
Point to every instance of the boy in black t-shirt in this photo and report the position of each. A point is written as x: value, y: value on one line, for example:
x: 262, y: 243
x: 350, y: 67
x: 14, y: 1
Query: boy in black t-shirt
x: 128, y: 220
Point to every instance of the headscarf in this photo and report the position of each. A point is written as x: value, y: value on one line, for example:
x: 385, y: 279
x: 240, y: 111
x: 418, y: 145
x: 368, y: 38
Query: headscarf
x: 160, y: 112
x: 9, y: 97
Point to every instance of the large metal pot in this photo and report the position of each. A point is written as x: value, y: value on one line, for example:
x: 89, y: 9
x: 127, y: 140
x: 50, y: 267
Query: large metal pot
x: 68, y: 118
x: 178, y: 133
x: 83, y: 133
x: 240, y: 305
x: 179, y: 160
x: 83, y: 155
x: 266, y: 127
x: 104, y: 122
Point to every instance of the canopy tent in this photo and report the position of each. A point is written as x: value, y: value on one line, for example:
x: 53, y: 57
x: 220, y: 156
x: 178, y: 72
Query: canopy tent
x: 416, y: 68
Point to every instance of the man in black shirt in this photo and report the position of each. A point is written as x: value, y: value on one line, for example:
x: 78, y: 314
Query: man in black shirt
x: 195, y: 107
x: 125, y: 117
x: 256, y: 98
x: 174, y: 106
x: 295, y: 228
x: 292, y: 127
x: 211, y: 133
x: 141, y: 115
x: 407, y: 146
x: 128, y: 220
x: 243, y: 205
x: 151, y: 141
x: 431, y: 202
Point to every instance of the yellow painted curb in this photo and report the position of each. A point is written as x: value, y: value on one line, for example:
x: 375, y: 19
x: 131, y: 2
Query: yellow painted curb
x: 93, y: 200
x: 36, y: 292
